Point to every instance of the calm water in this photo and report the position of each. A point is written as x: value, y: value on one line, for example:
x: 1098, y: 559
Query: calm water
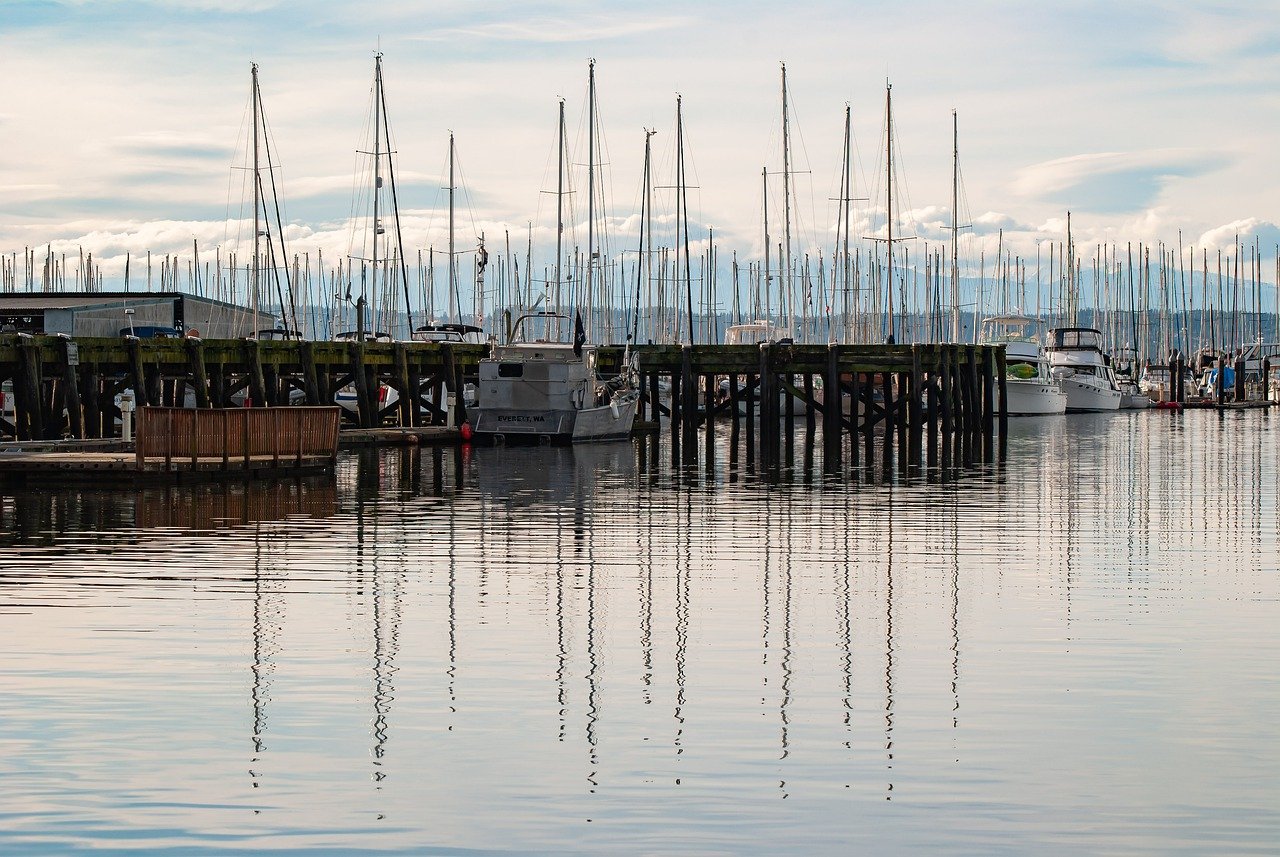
x: 581, y: 651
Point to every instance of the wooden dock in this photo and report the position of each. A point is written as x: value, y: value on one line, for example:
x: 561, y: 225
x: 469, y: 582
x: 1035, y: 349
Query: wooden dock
x: 934, y: 404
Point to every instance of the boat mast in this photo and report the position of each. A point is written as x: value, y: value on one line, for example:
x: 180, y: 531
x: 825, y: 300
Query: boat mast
x: 955, y: 228
x: 847, y: 198
x: 257, y: 198
x: 377, y: 170
x: 682, y: 214
x: 888, y: 184
x: 455, y: 300
x: 591, y: 187
x: 559, y: 210
x: 395, y: 202
x: 768, y: 272
x: 646, y: 235
x: 786, y: 206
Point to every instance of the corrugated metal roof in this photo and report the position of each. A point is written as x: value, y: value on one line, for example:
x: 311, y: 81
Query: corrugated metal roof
x: 65, y: 300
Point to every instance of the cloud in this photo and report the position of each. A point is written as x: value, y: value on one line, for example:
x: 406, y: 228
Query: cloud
x: 558, y: 30
x: 169, y: 147
x: 1247, y: 230
x: 1114, y: 182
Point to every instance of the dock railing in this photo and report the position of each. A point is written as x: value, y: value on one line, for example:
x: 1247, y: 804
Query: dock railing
x: 237, y: 437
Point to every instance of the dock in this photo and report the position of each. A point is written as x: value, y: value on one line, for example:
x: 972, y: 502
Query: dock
x: 926, y: 403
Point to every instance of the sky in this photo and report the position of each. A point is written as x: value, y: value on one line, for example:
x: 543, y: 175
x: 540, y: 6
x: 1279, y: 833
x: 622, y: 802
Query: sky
x: 124, y: 123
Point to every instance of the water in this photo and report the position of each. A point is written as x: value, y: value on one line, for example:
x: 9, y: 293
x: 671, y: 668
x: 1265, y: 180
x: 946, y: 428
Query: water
x: 582, y: 651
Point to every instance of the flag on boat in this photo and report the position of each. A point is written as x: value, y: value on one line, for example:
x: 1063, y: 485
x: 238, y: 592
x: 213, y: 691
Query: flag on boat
x: 579, y: 335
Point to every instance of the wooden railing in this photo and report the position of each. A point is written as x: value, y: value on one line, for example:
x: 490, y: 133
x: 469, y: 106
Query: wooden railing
x: 236, y: 437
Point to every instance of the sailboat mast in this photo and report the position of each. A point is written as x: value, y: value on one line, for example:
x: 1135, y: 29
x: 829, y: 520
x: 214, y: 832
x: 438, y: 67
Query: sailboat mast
x: 786, y: 204
x: 768, y: 271
x: 844, y: 204
x: 257, y: 198
x: 682, y: 214
x: 888, y: 184
x: 559, y: 205
x: 377, y: 166
x: 646, y: 234
x: 955, y: 227
x: 455, y: 300
x: 591, y: 185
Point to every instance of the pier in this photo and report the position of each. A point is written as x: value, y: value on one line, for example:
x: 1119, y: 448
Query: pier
x: 934, y: 404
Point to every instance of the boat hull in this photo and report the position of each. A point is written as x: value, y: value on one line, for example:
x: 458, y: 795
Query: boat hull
x: 1082, y: 395
x: 512, y: 425
x: 1033, y: 398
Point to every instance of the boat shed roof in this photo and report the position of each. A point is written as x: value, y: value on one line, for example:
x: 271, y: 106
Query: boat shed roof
x: 34, y: 301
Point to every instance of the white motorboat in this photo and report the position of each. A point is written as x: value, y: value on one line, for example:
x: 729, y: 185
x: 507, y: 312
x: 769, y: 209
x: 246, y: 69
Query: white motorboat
x: 1124, y: 366
x: 1082, y: 370
x: 551, y: 392
x: 1030, y: 390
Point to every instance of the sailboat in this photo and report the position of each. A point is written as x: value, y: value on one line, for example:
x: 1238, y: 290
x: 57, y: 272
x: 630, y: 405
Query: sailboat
x: 393, y: 260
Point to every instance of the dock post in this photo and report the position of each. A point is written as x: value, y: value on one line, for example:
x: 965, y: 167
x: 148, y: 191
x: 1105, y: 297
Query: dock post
x: 1240, y: 393
x: 988, y: 402
x: 199, y: 372
x: 676, y: 417
x: 947, y: 403
x: 689, y: 405
x: 855, y: 413
x: 138, y: 371
x: 735, y: 424
x: 408, y: 394
x: 1220, y: 381
x: 310, y: 379
x: 931, y: 418
x: 1002, y: 397
x: 655, y: 404
x: 810, y: 410
x: 750, y: 408
x: 28, y: 412
x: 768, y: 407
x: 71, y: 389
x: 832, y: 402
x: 1266, y: 379
x: 257, y: 382
x: 890, y: 418
x: 869, y: 423
x: 915, y: 407
x: 89, y: 401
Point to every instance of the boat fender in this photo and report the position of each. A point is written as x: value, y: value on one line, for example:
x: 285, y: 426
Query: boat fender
x: 465, y: 431
x: 613, y: 408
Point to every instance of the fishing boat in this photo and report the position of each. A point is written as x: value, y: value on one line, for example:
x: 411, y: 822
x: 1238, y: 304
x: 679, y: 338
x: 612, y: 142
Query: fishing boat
x: 547, y: 391
x: 1082, y: 370
x: 1029, y: 386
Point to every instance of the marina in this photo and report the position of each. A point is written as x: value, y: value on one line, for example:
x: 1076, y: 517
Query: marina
x: 639, y: 429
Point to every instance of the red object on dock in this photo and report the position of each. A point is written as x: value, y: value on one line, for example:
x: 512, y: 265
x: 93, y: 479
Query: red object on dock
x: 466, y: 432
x: 1169, y: 406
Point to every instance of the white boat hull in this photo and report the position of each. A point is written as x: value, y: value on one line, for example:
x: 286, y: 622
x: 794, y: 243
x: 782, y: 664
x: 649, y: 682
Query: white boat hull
x: 608, y: 422
x: 1034, y: 398
x: 1089, y: 393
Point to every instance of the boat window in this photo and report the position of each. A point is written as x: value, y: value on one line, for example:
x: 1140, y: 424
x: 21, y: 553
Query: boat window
x: 510, y: 370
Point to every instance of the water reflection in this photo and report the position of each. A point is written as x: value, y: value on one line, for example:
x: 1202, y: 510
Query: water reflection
x: 551, y: 648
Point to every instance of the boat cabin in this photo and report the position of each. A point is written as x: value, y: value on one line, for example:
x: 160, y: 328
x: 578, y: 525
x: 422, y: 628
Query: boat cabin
x: 447, y: 332
x: 1075, y: 339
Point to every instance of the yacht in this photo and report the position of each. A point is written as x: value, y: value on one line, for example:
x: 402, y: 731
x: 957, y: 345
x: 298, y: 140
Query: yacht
x: 1029, y: 388
x: 549, y: 391
x: 1082, y: 370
